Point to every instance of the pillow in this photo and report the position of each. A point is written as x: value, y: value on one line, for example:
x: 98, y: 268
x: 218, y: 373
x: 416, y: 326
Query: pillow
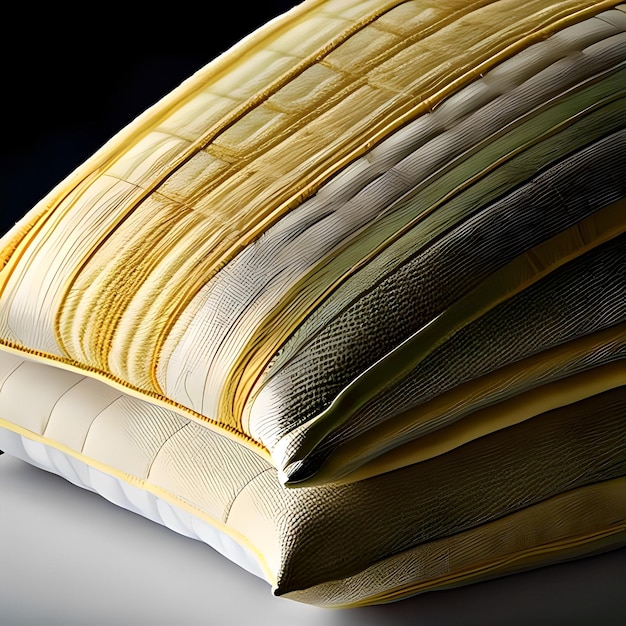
x: 365, y: 270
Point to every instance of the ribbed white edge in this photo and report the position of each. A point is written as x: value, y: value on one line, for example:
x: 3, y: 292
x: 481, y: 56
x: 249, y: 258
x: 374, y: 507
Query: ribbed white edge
x: 128, y: 497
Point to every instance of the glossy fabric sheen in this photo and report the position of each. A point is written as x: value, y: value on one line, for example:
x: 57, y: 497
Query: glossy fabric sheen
x: 362, y: 272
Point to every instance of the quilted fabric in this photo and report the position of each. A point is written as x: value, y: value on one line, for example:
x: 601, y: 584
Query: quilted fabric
x: 365, y: 270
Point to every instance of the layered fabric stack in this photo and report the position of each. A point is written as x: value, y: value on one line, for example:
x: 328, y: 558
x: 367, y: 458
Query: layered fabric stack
x: 349, y: 304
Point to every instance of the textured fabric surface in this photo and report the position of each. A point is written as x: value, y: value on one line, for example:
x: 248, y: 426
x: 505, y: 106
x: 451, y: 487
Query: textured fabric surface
x: 362, y: 272
x: 306, y: 537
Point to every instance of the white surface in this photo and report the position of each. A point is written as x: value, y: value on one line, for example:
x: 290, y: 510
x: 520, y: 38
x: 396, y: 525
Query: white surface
x: 69, y: 557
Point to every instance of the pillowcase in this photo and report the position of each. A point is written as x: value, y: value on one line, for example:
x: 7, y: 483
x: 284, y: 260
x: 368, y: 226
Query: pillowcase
x: 365, y: 270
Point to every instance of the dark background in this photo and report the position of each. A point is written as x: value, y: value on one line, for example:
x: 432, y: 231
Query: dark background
x: 71, y: 80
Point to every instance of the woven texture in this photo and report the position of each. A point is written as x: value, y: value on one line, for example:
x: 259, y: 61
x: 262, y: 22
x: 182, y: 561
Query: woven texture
x: 365, y: 270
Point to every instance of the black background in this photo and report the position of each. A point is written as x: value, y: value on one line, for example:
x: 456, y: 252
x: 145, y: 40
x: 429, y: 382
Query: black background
x: 71, y: 80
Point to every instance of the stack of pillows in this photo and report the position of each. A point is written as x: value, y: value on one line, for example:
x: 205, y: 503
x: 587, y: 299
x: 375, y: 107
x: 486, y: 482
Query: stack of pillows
x: 348, y: 304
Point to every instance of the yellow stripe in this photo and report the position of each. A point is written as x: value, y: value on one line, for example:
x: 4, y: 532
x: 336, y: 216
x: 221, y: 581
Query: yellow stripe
x: 146, y: 396
x: 186, y: 288
x: 483, y: 422
x: 524, y: 271
x: 521, y: 372
x: 140, y: 483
